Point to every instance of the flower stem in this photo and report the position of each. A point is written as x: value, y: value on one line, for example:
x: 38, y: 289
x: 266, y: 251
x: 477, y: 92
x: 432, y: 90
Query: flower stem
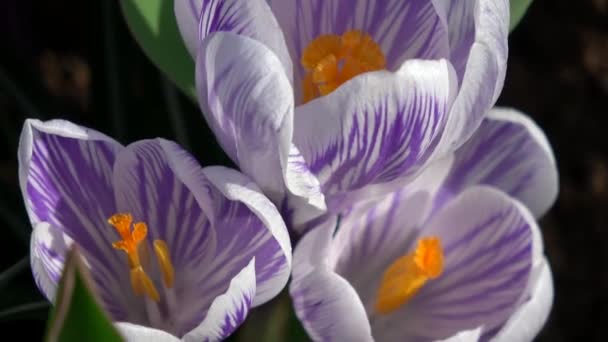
x: 111, y: 66
x: 29, y: 309
x: 11, y: 272
x: 175, y: 112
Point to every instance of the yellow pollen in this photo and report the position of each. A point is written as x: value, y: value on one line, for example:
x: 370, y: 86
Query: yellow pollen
x: 164, y: 262
x: 408, y: 274
x: 133, y: 244
x: 331, y: 60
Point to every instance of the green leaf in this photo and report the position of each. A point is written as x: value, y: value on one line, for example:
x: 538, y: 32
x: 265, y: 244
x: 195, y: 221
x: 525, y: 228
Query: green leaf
x: 77, y: 316
x: 152, y: 23
x: 518, y: 9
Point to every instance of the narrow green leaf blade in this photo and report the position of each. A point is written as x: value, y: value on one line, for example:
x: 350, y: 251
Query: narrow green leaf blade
x: 77, y: 316
x: 518, y: 9
x: 153, y: 24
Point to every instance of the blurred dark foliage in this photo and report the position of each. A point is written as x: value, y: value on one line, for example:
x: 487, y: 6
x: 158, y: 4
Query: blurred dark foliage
x: 76, y: 60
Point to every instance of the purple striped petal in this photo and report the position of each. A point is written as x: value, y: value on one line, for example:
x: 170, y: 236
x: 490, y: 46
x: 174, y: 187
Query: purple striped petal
x: 198, y: 19
x: 65, y: 172
x: 404, y: 29
x: 148, y: 188
x: 249, y: 107
x: 378, y: 128
x: 487, y: 239
x: 48, y: 247
x: 245, y: 222
x: 326, y: 304
x: 527, y: 321
x: 459, y: 19
x: 228, y: 310
x: 138, y: 333
x: 305, y: 201
x: 66, y: 178
x: 262, y: 235
x: 372, y: 236
x: 480, y: 62
x: 511, y: 153
x: 213, y: 220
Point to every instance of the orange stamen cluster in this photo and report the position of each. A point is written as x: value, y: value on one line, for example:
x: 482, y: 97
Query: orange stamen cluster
x: 408, y: 274
x: 331, y: 60
x: 130, y: 243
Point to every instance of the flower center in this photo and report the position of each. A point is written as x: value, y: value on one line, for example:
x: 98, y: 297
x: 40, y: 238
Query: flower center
x: 133, y: 243
x: 331, y: 60
x: 408, y: 274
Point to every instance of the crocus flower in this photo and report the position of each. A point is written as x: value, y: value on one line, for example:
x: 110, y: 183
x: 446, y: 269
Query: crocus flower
x: 455, y: 255
x: 379, y: 88
x: 175, y: 250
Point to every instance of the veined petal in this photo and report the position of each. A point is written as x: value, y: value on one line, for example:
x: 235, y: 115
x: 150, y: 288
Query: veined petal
x: 149, y: 188
x: 48, y: 248
x: 326, y: 304
x: 305, y: 201
x: 404, y: 29
x: 249, y: 106
x: 138, y: 333
x: 263, y: 235
x: 480, y: 62
x: 530, y: 317
x: 511, y: 153
x: 206, y: 219
x: 488, y: 252
x: 458, y: 17
x: 65, y: 174
x: 372, y: 236
x: 198, y: 19
x: 377, y: 128
x: 228, y: 310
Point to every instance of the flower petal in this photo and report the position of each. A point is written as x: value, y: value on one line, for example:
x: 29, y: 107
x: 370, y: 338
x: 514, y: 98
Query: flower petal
x: 465, y: 336
x: 305, y: 201
x: 487, y: 239
x: 372, y: 236
x: 65, y: 174
x: 214, y: 217
x: 149, y: 187
x: 404, y: 29
x: 138, y: 333
x: 48, y: 248
x: 378, y: 128
x: 458, y: 17
x: 511, y: 153
x: 243, y: 218
x: 249, y: 107
x: 266, y: 238
x: 228, y: 310
x: 198, y: 19
x: 481, y: 77
x: 325, y: 303
x: 529, y: 318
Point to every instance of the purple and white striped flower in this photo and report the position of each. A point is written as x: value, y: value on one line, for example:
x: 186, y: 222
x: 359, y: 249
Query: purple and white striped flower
x: 455, y: 255
x: 176, y: 251
x: 379, y: 88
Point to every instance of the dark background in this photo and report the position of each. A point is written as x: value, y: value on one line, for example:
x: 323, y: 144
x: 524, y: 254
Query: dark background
x: 76, y: 60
